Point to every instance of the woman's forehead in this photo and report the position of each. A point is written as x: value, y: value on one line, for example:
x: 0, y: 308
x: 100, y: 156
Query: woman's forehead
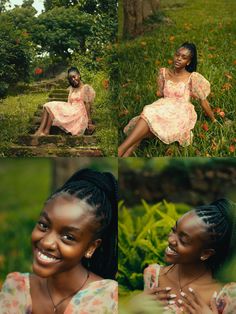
x: 192, y: 224
x: 73, y: 73
x: 184, y: 51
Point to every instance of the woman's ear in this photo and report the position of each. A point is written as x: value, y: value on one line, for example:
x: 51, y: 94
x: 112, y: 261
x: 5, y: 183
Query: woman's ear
x: 92, y: 248
x: 206, y: 254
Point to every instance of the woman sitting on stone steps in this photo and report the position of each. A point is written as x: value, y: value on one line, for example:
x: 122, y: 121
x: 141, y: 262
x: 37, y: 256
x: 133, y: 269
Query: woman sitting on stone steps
x: 73, y: 116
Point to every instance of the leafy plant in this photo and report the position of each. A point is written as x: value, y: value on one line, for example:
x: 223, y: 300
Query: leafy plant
x: 142, y: 240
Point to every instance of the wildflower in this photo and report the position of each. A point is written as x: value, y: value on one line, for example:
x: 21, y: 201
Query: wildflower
x: 105, y: 84
x: 232, y: 148
x: 205, y: 126
x: 38, y: 71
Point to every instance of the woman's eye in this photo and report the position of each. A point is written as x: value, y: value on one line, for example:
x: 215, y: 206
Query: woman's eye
x: 42, y: 225
x: 68, y: 237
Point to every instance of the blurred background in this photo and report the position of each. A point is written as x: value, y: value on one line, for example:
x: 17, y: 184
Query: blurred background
x: 154, y: 193
x: 25, y: 185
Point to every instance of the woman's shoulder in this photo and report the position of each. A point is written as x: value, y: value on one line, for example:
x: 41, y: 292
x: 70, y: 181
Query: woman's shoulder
x: 104, y: 284
x: 152, y: 269
x: 19, y: 280
x: 197, y: 76
x: 229, y: 288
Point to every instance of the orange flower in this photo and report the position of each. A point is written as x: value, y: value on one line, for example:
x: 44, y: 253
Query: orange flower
x: 232, y: 148
x: 234, y: 62
x: 222, y: 114
x: 38, y: 71
x: 172, y: 38
x: 205, y: 126
x: 227, y: 86
x: 170, y: 61
x: 105, y: 84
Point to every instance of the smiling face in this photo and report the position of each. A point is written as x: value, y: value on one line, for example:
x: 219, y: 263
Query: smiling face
x: 63, y: 235
x: 74, y: 79
x: 182, y: 58
x: 187, y: 241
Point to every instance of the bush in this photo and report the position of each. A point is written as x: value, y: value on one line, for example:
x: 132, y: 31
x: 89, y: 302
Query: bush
x: 142, y: 239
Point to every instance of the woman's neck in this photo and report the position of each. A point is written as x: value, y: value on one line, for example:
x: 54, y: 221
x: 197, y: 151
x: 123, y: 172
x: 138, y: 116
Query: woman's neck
x: 67, y: 282
x: 186, y: 271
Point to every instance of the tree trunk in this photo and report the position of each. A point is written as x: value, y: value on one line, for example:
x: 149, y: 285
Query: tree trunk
x: 63, y: 168
x: 135, y: 12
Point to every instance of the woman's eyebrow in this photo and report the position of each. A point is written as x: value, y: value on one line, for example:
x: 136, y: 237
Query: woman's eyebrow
x: 45, y: 215
x: 72, y: 228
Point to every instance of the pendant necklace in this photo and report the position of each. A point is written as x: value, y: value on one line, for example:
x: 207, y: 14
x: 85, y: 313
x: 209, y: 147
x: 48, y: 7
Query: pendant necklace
x: 55, y: 306
x: 194, y: 279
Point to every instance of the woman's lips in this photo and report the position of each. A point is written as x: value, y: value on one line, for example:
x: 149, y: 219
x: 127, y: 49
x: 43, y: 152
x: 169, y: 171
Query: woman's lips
x: 45, y: 258
x: 170, y: 252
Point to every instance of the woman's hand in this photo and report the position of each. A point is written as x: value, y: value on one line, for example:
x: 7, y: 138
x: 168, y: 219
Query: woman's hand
x: 161, y: 294
x: 194, y: 304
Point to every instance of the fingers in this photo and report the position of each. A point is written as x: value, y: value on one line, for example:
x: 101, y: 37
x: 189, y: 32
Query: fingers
x: 213, y: 304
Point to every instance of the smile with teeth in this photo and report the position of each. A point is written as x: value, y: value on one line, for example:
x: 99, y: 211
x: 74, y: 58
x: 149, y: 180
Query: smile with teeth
x: 170, y: 251
x: 45, y: 257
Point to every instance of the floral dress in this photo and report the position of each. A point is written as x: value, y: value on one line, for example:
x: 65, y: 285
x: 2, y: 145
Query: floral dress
x: 100, y: 297
x: 226, y: 298
x: 172, y: 117
x: 72, y: 116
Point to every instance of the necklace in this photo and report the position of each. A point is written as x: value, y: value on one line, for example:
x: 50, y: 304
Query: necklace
x: 194, y: 279
x: 55, y: 306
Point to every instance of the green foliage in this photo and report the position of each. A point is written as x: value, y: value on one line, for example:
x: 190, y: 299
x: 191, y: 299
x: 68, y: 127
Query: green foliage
x: 138, y: 62
x: 14, y: 57
x: 142, y: 240
x: 61, y: 31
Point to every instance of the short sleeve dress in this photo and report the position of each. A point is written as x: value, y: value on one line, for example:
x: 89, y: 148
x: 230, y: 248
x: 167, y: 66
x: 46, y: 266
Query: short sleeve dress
x: 172, y: 117
x: 71, y: 116
x: 100, y: 297
x: 226, y: 298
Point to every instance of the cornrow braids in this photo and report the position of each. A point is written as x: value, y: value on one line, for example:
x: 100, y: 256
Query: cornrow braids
x: 219, y: 217
x: 73, y: 69
x: 192, y: 67
x: 100, y: 191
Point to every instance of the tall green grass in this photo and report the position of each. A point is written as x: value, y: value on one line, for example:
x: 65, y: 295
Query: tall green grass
x: 212, y: 27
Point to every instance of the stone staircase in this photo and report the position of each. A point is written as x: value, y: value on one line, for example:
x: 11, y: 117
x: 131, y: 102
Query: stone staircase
x: 58, y: 143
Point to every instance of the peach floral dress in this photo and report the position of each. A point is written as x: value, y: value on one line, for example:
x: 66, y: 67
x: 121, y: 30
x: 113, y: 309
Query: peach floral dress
x: 100, y: 297
x: 172, y: 117
x: 72, y: 116
x: 226, y: 298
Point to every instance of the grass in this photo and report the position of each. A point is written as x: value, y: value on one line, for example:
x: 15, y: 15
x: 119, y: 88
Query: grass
x: 25, y: 185
x: 211, y: 26
x: 15, y: 113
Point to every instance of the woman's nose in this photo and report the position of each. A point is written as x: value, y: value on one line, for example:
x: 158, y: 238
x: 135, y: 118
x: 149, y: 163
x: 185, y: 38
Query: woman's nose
x: 49, y: 241
x: 172, y: 239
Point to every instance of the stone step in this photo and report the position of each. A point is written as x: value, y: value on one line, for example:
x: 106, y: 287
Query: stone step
x: 35, y: 121
x: 64, y: 99
x: 59, y: 140
x: 63, y: 92
x: 51, y: 150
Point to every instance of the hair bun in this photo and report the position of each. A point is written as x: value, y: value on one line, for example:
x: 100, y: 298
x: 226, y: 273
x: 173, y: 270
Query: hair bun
x: 105, y: 181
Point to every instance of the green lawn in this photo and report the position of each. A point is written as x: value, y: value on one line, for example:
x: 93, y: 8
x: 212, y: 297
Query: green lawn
x: 212, y: 27
x: 25, y: 185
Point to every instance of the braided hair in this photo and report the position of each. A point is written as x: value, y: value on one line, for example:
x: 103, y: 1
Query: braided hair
x: 100, y: 191
x: 73, y: 69
x: 192, y: 67
x: 219, y: 217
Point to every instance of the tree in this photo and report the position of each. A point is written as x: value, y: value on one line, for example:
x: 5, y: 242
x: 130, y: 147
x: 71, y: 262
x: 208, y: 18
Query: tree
x: 14, y: 57
x: 134, y: 14
x: 62, y: 31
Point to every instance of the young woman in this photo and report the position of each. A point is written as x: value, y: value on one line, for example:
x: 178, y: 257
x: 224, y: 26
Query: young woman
x: 73, y: 116
x: 74, y: 252
x: 172, y: 117
x: 199, y: 244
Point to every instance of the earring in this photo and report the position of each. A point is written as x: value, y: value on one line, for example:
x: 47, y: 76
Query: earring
x: 202, y: 258
x: 88, y: 255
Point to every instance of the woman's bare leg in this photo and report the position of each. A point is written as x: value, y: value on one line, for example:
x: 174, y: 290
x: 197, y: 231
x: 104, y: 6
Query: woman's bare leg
x: 132, y: 148
x: 43, y: 123
x: 140, y: 131
x: 48, y: 125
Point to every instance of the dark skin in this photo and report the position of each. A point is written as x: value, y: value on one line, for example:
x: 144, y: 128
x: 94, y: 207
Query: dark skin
x: 46, y: 121
x: 182, y: 58
x: 63, y: 235
x: 187, y: 252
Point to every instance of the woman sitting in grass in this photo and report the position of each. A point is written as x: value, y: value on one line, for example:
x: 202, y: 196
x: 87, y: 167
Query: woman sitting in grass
x: 73, y: 116
x: 172, y: 117
x: 200, y: 243
x: 74, y: 247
